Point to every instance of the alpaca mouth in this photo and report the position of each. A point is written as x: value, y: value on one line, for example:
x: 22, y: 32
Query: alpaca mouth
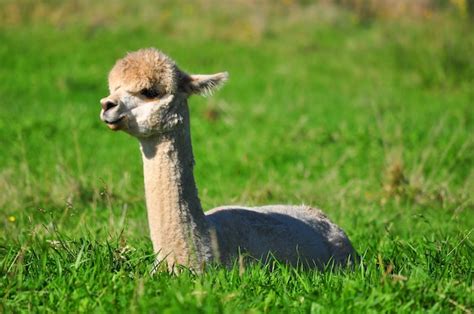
x: 114, y: 125
x: 114, y: 121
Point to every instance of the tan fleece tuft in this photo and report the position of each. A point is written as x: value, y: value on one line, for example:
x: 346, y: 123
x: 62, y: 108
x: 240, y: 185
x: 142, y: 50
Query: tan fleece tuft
x: 145, y: 68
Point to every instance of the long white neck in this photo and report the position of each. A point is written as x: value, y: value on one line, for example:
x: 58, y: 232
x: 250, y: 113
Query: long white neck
x: 179, y: 231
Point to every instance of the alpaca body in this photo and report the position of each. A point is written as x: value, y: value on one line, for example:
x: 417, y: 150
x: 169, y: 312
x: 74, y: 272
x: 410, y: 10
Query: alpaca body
x: 148, y: 99
x: 291, y: 234
x: 182, y: 234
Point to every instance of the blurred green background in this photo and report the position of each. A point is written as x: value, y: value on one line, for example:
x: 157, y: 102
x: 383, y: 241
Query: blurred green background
x: 363, y: 108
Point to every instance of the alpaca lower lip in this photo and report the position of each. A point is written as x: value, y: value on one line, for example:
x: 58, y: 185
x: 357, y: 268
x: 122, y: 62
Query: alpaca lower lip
x: 115, y: 125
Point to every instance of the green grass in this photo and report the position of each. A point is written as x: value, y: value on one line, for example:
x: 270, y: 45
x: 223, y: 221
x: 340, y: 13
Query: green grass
x: 372, y: 123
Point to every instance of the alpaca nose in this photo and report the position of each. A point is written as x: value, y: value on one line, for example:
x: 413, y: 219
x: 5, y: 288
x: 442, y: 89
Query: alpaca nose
x: 107, y: 104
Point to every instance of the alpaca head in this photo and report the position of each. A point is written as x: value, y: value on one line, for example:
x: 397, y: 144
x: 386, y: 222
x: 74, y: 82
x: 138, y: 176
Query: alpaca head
x: 148, y: 92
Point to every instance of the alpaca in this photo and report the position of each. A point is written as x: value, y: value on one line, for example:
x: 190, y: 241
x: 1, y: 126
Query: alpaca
x: 148, y: 100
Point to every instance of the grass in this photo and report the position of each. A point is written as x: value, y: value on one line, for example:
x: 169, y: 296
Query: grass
x: 371, y: 122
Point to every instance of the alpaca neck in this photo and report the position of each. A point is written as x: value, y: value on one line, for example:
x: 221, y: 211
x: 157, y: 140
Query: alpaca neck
x: 178, y: 227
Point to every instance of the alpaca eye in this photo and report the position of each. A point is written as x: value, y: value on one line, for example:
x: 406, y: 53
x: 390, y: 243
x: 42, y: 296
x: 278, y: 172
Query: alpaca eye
x: 149, y: 93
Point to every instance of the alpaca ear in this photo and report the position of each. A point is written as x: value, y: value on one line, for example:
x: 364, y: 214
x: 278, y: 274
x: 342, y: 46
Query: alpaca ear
x: 205, y: 85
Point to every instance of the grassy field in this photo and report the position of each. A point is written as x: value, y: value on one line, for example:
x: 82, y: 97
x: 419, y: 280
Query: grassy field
x: 371, y: 120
